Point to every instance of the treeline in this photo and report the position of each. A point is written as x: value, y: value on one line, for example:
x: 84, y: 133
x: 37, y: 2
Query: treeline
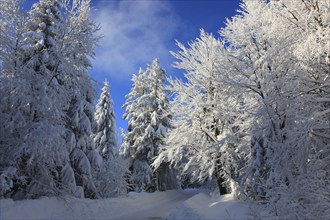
x: 252, y: 113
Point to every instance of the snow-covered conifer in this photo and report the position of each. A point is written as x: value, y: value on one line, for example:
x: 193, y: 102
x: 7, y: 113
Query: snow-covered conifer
x: 11, y: 121
x: 41, y: 150
x: 110, y: 170
x: 148, y: 123
x: 48, y: 85
x: 106, y: 138
x: 79, y: 44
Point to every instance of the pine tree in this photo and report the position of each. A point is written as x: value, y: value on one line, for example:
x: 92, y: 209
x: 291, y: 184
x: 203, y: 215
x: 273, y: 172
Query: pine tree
x: 148, y: 124
x: 106, y: 138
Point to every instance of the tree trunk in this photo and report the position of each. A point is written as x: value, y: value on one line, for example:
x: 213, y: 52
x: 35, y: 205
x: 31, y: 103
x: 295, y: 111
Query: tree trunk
x: 222, y: 189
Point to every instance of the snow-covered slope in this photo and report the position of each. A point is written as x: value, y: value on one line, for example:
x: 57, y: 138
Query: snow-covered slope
x: 171, y: 204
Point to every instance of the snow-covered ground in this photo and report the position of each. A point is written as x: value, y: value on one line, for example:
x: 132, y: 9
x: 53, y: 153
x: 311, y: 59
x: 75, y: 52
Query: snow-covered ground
x: 173, y: 204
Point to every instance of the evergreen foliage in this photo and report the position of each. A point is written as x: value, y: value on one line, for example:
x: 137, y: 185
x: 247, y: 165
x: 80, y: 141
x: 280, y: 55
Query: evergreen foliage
x: 47, y: 105
x: 110, y: 170
x: 148, y: 123
x: 106, y: 138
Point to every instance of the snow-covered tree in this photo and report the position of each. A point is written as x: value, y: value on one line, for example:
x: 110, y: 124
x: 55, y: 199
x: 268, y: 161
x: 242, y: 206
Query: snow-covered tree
x: 111, y: 177
x: 78, y: 45
x: 277, y: 55
x: 307, y: 142
x: 255, y: 71
x: 203, y: 117
x: 148, y: 123
x: 11, y: 29
x: 12, y: 21
x: 40, y: 148
x: 106, y: 138
x: 110, y: 170
x: 48, y: 85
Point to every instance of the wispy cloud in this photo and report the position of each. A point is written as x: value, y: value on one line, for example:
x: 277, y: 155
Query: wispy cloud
x: 134, y: 33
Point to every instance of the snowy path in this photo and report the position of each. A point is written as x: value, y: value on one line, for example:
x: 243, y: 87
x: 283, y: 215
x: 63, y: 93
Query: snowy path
x: 156, y: 206
x: 171, y: 204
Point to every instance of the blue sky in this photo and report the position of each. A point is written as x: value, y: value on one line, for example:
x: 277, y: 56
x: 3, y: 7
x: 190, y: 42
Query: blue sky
x: 137, y: 31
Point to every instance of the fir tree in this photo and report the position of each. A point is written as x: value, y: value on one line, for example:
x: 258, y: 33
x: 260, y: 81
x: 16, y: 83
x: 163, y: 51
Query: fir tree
x: 41, y: 153
x: 148, y: 124
x: 12, y: 21
x: 47, y: 85
x: 106, y: 138
x: 110, y: 171
x: 79, y: 44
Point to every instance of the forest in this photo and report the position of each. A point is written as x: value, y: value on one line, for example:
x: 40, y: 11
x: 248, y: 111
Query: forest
x: 251, y: 116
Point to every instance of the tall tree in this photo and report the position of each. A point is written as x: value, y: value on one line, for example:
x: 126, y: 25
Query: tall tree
x: 78, y: 45
x: 50, y: 150
x: 279, y: 59
x: 12, y: 123
x: 203, y: 112
x: 262, y: 78
x: 106, y: 138
x: 41, y: 150
x: 148, y: 123
x: 110, y: 175
x: 307, y: 145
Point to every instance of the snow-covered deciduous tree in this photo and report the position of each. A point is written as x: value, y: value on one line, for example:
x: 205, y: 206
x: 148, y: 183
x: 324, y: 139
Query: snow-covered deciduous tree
x: 308, y: 142
x: 203, y: 117
x: 254, y: 67
x: 277, y: 51
x: 106, y: 138
x: 148, y: 123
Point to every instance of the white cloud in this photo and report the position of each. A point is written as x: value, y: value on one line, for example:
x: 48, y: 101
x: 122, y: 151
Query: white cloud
x: 134, y: 33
